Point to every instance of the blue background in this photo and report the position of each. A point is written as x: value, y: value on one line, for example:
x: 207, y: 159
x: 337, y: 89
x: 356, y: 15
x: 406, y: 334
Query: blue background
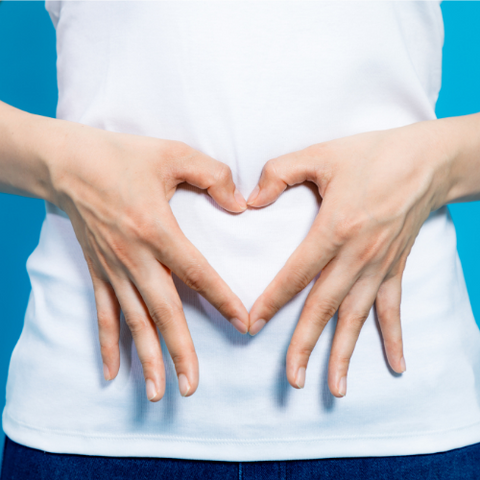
x: 28, y: 81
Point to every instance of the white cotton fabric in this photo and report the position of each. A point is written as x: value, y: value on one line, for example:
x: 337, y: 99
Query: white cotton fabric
x: 245, y: 82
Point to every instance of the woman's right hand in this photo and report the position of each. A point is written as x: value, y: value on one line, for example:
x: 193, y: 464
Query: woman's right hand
x: 115, y: 188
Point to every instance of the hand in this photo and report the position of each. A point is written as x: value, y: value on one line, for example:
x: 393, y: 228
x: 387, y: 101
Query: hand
x: 377, y: 190
x: 115, y: 188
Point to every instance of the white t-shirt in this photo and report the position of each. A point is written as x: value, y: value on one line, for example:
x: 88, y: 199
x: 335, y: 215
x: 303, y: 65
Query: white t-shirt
x: 245, y: 82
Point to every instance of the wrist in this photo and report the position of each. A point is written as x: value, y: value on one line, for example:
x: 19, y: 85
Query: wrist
x: 57, y: 143
x: 40, y: 132
x: 442, y: 150
x: 460, y: 137
x: 23, y: 169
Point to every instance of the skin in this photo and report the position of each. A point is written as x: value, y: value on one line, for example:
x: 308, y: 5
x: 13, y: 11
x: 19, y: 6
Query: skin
x: 115, y: 189
x: 377, y: 188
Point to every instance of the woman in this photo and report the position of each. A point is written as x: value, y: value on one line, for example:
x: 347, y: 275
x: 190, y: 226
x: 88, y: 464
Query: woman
x: 163, y: 103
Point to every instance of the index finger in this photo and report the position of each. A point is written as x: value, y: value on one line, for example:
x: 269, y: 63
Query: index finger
x: 310, y: 257
x: 184, y: 259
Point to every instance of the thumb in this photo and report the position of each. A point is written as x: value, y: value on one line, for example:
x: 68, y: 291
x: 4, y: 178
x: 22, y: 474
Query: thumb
x: 203, y: 171
x: 279, y: 173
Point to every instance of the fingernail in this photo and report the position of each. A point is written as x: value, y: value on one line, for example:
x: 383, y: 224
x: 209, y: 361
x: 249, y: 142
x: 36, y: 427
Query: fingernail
x: 239, y: 199
x: 402, y: 365
x: 183, y: 385
x: 151, y: 390
x: 256, y: 327
x: 300, y: 378
x: 253, y: 195
x: 106, y: 372
x: 342, y: 386
x: 240, y: 326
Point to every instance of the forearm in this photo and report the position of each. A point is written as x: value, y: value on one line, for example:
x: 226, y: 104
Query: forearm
x: 26, y: 144
x: 461, y: 137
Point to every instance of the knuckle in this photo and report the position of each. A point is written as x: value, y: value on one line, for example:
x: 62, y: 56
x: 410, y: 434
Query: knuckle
x: 148, y: 233
x: 108, y: 349
x: 224, y: 305
x: 322, y: 311
x: 341, y: 360
x: 270, y: 169
x: 132, y: 232
x: 183, y: 357
x: 120, y: 252
x: 271, y: 306
x: 138, y: 225
x: 367, y: 253
x: 105, y: 323
x: 299, y: 279
x: 149, y: 364
x: 164, y: 314
x: 377, y: 248
x: 388, y: 313
x: 345, y: 230
x: 348, y: 226
x: 222, y: 174
x: 136, y: 323
x: 356, y: 319
x: 194, y: 277
x: 298, y: 350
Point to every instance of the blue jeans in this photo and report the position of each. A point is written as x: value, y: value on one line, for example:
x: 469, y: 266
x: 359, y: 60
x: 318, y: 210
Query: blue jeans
x: 24, y: 463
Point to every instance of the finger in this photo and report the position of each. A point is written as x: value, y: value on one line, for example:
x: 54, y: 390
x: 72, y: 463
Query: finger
x: 202, y: 171
x: 145, y: 336
x: 165, y: 309
x: 281, y: 172
x: 352, y: 314
x: 387, y: 306
x: 301, y: 268
x: 108, y: 315
x: 184, y: 259
x: 322, y: 302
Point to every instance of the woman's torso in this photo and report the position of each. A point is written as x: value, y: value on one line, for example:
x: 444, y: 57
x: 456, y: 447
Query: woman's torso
x: 245, y: 82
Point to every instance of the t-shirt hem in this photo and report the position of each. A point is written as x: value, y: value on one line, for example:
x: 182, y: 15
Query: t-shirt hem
x: 239, y: 450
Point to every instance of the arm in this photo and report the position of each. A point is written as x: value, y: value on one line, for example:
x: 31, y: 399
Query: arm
x: 25, y: 140
x: 115, y: 189
x: 377, y: 188
x: 462, y: 143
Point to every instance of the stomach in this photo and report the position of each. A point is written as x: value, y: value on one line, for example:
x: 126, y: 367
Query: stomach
x: 243, y: 377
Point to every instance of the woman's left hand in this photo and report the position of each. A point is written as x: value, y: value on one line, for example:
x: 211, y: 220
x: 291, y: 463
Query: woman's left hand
x: 377, y: 190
